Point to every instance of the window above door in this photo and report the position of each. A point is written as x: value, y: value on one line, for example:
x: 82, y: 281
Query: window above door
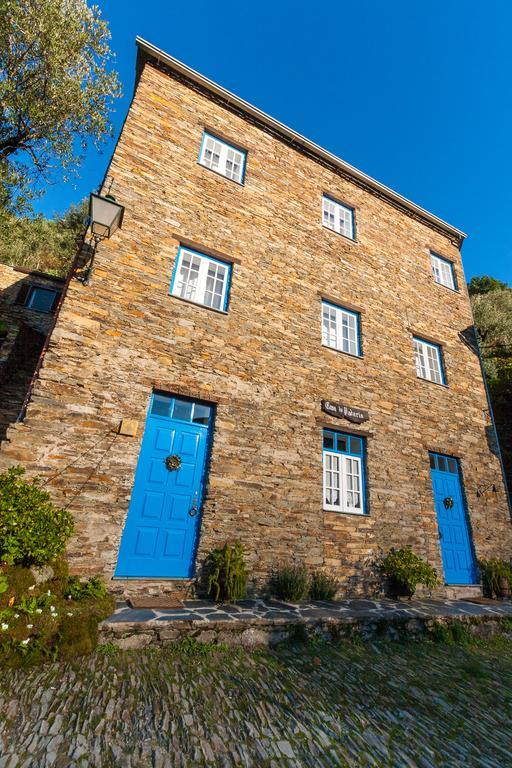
x: 219, y: 156
x: 341, y: 329
x: 201, y: 279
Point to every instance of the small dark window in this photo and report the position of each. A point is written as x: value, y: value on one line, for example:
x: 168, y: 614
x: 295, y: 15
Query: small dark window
x: 452, y: 466
x: 441, y: 463
x: 432, y: 461
x: 42, y: 299
x: 342, y: 441
x: 355, y: 445
x: 161, y: 405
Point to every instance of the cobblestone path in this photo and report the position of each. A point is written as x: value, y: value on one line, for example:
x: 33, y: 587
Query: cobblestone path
x: 417, y: 705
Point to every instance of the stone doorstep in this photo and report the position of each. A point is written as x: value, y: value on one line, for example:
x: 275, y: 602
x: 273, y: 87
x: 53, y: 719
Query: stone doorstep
x: 264, y: 632
x: 462, y: 591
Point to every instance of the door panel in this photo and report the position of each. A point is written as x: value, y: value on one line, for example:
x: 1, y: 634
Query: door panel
x: 454, y: 534
x: 162, y: 526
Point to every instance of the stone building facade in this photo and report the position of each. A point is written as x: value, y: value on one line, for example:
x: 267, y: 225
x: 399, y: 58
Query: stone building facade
x: 28, y: 301
x: 258, y: 361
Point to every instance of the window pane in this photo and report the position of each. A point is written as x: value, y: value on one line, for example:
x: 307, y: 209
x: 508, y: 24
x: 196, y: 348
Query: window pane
x: 187, y: 279
x: 355, y: 445
x: 342, y: 442
x: 329, y: 328
x: 441, y: 463
x: 161, y: 405
x: 182, y: 410
x: 332, y: 488
x: 452, y: 466
x: 211, y: 155
x: 201, y: 413
x: 41, y: 299
x: 215, y: 279
x: 432, y: 462
x: 353, y: 484
x: 328, y: 440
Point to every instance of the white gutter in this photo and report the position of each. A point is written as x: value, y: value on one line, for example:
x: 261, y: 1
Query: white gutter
x: 291, y: 135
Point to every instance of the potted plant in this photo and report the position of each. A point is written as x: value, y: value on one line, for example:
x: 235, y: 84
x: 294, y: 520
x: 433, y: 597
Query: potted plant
x: 405, y: 570
x: 496, y: 577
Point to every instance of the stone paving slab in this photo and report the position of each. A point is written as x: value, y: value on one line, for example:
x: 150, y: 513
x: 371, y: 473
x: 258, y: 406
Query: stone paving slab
x: 273, y: 610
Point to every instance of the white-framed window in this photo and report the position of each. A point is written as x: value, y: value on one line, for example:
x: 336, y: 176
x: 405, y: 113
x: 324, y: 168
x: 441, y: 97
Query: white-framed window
x: 340, y: 329
x: 222, y: 157
x: 428, y: 361
x: 201, y: 279
x: 337, y: 217
x: 343, y: 470
x: 442, y: 270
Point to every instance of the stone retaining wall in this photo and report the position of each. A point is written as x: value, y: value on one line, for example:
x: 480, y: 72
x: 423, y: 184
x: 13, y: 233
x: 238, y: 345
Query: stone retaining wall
x: 260, y: 633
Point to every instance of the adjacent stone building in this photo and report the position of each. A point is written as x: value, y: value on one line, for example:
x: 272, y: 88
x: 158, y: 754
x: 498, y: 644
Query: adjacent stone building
x: 274, y: 348
x: 28, y: 301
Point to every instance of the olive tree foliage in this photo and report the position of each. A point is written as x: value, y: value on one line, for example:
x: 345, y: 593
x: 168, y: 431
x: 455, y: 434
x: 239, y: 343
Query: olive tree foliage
x: 38, y: 243
x: 492, y: 309
x: 56, y: 92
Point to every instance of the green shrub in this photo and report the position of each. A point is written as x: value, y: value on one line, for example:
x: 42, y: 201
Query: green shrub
x: 227, y: 575
x: 406, y: 570
x: 83, y: 590
x: 322, y: 586
x: 32, y: 530
x: 290, y: 582
x: 492, y: 571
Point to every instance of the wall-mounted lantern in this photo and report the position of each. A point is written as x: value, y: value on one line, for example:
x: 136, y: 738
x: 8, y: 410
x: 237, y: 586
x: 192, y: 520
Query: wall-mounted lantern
x: 105, y: 217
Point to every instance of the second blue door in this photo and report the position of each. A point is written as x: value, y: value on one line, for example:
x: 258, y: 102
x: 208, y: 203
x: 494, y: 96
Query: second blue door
x: 456, y: 547
x: 160, y: 535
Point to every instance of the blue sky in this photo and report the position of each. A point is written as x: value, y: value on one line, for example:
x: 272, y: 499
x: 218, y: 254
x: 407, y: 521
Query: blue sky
x: 416, y: 94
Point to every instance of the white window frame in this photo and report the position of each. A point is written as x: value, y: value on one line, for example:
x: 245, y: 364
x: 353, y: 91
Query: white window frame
x: 201, y: 291
x: 345, y: 336
x: 337, y: 217
x: 221, y: 157
x: 442, y: 269
x: 429, y: 364
x: 343, y: 470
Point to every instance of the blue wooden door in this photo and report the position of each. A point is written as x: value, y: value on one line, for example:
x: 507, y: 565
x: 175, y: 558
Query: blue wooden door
x: 456, y: 547
x: 160, y: 535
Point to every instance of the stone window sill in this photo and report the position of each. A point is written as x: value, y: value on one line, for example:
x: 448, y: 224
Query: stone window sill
x: 198, y: 304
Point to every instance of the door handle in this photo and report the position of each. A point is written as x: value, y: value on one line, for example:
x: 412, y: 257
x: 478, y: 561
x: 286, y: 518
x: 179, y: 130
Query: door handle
x: 193, y: 509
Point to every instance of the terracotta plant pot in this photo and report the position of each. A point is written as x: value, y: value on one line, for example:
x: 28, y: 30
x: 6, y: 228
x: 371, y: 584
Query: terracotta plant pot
x: 504, y: 587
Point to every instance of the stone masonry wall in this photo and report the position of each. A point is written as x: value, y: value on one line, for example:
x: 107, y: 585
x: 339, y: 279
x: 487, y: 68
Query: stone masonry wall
x: 262, y: 363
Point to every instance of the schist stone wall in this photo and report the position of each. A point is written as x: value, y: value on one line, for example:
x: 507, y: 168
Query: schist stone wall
x: 262, y: 363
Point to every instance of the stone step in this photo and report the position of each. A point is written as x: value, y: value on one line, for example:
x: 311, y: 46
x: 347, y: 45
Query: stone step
x: 462, y: 591
x: 179, y: 589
